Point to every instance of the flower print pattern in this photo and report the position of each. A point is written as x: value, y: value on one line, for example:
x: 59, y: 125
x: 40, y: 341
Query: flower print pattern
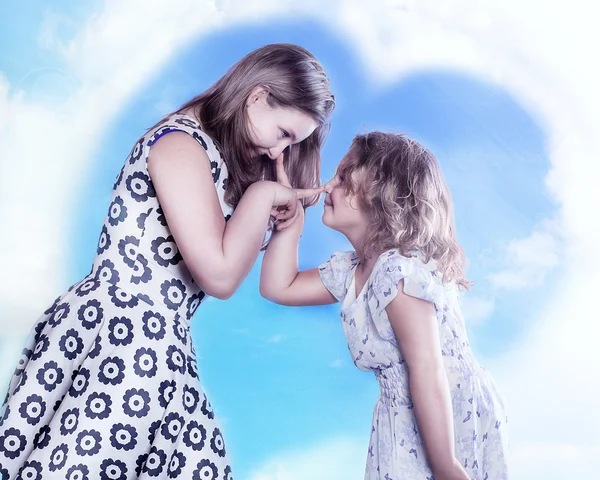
x: 191, y: 398
x: 117, y: 212
x: 42, y: 438
x: 123, y: 436
x: 33, y: 409
x: 154, y: 325
x: 71, y: 344
x: 58, y: 457
x: 88, y: 443
x: 166, y: 391
x: 90, y: 314
x: 155, y: 462
x: 104, y: 241
x: 136, y: 402
x: 12, y: 443
x: 113, y: 469
x: 206, y: 470
x: 98, y: 406
x: 120, y: 331
x: 50, y: 376
x: 112, y: 371
x: 78, y: 472
x: 106, y: 386
x: 177, y: 463
x: 69, y: 421
x: 32, y: 470
x: 194, y: 436
x: 145, y: 362
x: 165, y: 251
x: 172, y: 426
x: 81, y: 380
x: 140, y: 187
x: 173, y: 292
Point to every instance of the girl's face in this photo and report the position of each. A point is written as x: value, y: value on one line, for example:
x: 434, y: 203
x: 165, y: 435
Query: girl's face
x: 273, y: 129
x: 342, y: 210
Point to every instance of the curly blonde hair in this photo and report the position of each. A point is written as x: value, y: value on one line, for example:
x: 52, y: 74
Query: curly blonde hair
x: 403, y: 193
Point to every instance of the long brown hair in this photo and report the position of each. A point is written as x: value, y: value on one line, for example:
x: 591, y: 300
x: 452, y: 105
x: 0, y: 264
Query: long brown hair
x: 403, y: 193
x: 294, y: 79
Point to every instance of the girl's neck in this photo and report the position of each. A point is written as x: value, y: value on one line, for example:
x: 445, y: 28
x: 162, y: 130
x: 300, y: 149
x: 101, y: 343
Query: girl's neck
x: 366, y: 260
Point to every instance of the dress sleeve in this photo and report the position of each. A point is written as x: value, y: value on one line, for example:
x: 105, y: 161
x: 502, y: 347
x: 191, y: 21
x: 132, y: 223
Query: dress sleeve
x: 420, y: 281
x: 334, y: 273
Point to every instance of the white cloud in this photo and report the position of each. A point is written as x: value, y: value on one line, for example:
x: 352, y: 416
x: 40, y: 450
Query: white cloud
x: 277, y: 338
x: 477, y: 309
x: 541, y: 52
x: 341, y: 458
x: 337, y: 363
x: 46, y: 148
x: 529, y: 260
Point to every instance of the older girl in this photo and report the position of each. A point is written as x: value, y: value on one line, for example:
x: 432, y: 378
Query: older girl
x: 107, y: 385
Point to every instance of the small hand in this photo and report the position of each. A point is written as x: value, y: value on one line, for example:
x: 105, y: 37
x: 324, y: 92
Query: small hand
x: 455, y: 472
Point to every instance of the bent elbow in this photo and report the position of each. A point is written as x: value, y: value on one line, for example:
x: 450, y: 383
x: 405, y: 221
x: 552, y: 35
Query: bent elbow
x: 269, y: 293
x: 222, y: 291
x: 225, y: 294
x: 216, y: 287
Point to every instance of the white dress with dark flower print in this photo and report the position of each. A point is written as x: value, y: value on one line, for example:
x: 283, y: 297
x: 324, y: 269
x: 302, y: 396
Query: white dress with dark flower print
x: 396, y: 449
x: 107, y: 384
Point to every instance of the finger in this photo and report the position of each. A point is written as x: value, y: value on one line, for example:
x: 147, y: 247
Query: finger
x: 288, y: 212
x: 282, y: 225
x: 285, y: 215
x: 308, y: 192
x: 280, y: 169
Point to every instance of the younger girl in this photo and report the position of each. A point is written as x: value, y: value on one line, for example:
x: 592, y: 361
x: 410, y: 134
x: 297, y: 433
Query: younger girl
x: 439, y: 414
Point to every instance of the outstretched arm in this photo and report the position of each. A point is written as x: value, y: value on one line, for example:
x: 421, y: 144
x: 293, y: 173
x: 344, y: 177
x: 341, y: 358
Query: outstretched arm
x: 280, y: 280
x: 415, y: 327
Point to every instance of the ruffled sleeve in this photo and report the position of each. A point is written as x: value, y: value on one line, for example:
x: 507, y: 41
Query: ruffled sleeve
x: 420, y: 280
x: 334, y: 273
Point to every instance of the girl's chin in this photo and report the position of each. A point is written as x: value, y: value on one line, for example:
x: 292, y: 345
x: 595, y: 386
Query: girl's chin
x: 327, y: 221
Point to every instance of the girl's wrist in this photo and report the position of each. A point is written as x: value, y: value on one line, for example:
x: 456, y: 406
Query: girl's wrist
x: 450, y: 470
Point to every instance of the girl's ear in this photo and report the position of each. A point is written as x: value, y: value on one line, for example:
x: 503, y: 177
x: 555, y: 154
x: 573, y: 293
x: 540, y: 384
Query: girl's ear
x: 256, y: 94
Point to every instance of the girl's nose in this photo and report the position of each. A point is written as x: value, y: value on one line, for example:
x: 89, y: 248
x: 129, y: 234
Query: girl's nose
x: 274, y: 152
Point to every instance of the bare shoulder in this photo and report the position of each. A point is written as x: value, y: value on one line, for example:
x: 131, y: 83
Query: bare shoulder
x: 175, y: 147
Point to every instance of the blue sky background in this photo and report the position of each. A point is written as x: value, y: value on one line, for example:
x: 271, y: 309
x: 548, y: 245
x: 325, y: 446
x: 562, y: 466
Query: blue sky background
x: 281, y: 377
x: 267, y: 367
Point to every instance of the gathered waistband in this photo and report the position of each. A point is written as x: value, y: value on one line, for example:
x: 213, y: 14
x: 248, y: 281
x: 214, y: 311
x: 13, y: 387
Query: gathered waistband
x: 394, y: 387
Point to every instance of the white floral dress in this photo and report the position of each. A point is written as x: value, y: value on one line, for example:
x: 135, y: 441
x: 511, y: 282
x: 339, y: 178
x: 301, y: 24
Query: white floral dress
x: 396, y: 449
x: 107, y: 385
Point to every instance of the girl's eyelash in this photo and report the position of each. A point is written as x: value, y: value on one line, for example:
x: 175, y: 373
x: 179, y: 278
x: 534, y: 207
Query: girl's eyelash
x: 285, y: 134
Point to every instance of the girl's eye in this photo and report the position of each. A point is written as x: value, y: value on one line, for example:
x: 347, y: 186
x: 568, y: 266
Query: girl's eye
x: 284, y: 134
x: 341, y: 179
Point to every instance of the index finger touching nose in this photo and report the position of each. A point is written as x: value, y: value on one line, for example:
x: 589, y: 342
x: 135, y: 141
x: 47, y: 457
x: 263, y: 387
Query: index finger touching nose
x: 280, y: 170
x: 308, y: 192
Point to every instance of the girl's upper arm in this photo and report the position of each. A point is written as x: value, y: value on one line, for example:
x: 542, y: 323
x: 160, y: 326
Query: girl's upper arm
x: 307, y: 289
x: 181, y: 174
x: 415, y: 327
